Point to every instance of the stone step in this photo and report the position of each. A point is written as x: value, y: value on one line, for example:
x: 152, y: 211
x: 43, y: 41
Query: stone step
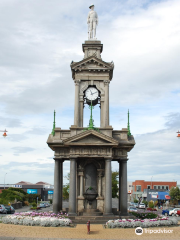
x: 97, y: 219
x: 91, y: 210
x: 92, y: 213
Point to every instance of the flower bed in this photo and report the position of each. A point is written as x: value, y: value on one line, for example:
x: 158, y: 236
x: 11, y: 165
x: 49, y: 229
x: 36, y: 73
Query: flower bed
x: 44, y: 219
x: 145, y: 223
x: 151, y: 209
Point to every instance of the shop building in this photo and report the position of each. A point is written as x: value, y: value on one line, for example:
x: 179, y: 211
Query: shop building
x: 141, y: 187
x: 46, y: 190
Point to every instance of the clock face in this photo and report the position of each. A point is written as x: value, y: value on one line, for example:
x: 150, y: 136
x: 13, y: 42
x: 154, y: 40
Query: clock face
x: 91, y: 93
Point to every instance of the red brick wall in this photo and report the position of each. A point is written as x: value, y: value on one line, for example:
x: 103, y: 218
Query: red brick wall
x: 144, y: 184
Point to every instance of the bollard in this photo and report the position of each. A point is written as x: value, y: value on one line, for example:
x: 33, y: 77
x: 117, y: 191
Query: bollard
x: 88, y: 227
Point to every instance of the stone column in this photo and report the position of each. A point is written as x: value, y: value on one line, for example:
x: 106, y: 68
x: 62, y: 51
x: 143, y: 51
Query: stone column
x: 81, y: 110
x: 106, y: 102
x: 72, y: 188
x: 108, y: 187
x: 102, y: 124
x: 58, y: 185
x: 76, y: 107
x: 123, y: 187
x: 119, y: 203
x: 100, y: 174
x: 81, y: 185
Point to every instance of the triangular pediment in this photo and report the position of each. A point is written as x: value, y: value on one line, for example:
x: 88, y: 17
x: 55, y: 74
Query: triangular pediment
x: 91, y: 137
x: 92, y: 62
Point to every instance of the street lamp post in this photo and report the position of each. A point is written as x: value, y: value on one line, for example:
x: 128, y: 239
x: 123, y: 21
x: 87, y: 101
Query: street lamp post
x: 151, y: 182
x: 4, y: 179
x: 4, y: 134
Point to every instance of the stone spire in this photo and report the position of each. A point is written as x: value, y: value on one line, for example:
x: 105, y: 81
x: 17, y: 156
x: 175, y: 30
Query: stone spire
x: 54, y: 125
x: 128, y: 126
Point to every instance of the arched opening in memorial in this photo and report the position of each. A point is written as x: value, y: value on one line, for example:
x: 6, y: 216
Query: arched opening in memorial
x: 96, y: 115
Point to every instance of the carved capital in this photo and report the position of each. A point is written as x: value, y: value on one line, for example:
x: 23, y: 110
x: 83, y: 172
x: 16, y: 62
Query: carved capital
x: 123, y: 160
x: 77, y: 82
x: 58, y: 159
x: 100, y: 173
x: 106, y: 82
x: 80, y: 173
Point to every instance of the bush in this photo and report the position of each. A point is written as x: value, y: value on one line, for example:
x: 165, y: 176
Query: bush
x: 33, y: 197
x: 144, y: 215
x: 26, y: 203
x: 4, y: 201
x: 50, y: 201
x: 33, y: 208
x: 145, y: 202
x: 151, y: 204
x: 136, y: 201
x: 34, y: 204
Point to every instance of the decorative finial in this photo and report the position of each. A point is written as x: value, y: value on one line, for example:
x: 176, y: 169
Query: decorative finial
x: 128, y: 126
x: 54, y: 125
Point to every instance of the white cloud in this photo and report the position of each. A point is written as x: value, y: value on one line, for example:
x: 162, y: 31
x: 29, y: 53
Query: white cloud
x: 38, y: 41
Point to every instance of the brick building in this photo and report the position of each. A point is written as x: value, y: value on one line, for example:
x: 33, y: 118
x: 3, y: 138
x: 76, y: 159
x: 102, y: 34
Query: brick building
x: 139, y: 187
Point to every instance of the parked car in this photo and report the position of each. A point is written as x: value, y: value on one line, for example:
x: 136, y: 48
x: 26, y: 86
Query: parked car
x: 173, y: 211
x: 178, y: 213
x: 131, y: 204
x: 166, y: 211
x: 10, y: 209
x: 42, y: 205
x: 142, y: 205
x: 47, y: 204
x: 2, y: 209
x: 132, y: 209
x: 136, y: 205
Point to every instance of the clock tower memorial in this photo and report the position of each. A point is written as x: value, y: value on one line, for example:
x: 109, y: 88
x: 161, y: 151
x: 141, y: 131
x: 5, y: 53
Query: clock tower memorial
x: 91, y: 150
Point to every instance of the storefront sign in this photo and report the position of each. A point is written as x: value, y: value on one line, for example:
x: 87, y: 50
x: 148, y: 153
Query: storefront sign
x: 50, y: 192
x: 154, y: 196
x: 32, y: 191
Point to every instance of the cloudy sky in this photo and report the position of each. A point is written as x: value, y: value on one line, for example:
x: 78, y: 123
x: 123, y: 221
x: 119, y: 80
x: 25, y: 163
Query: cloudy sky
x: 38, y: 41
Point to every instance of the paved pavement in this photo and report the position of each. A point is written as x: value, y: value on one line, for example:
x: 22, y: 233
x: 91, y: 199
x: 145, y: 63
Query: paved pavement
x: 22, y: 238
x: 65, y: 205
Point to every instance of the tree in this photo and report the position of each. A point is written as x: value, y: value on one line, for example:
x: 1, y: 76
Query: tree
x: 12, y: 194
x: 151, y: 204
x: 65, y: 192
x: 33, y: 197
x: 175, y: 193
x: 66, y: 188
x: 145, y: 202
x: 115, y: 182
